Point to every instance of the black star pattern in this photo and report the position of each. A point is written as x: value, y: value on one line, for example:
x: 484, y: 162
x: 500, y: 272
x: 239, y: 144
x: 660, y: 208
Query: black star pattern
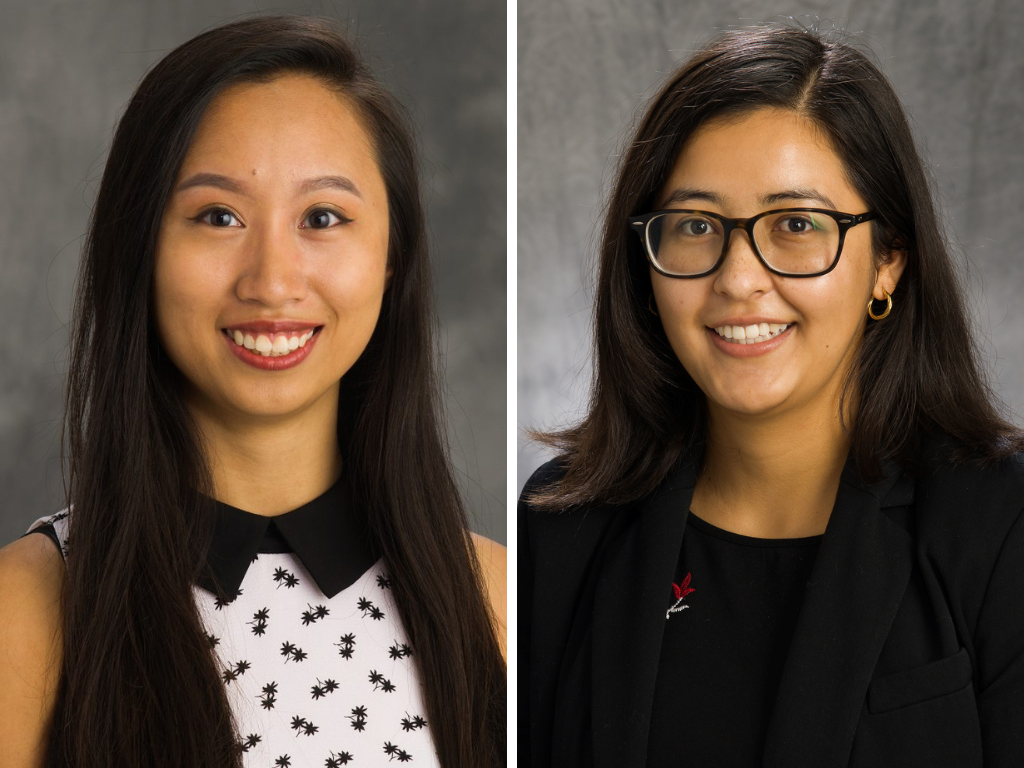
x: 363, y: 605
x: 283, y: 761
x: 399, y: 651
x: 380, y: 682
x: 213, y: 640
x: 358, y: 718
x: 338, y: 760
x: 286, y: 577
x: 321, y: 689
x: 413, y: 723
x: 232, y: 673
x: 268, y: 697
x: 291, y: 651
x: 376, y: 613
x: 298, y: 723
x: 346, y: 645
x: 394, y: 752
x: 259, y: 621
x: 251, y: 741
x: 222, y: 602
x: 383, y: 581
x: 314, y: 614
x: 309, y: 729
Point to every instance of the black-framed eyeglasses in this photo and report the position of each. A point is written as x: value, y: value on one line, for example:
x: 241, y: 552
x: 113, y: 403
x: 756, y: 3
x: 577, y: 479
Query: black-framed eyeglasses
x: 792, y: 242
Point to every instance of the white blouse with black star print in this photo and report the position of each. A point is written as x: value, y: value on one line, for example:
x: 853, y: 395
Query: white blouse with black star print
x: 312, y: 680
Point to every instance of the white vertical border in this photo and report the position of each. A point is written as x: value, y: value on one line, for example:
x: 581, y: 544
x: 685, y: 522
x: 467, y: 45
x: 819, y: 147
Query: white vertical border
x: 511, y: 175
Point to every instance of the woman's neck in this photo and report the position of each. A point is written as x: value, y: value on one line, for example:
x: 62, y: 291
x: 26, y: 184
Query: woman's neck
x: 270, y: 466
x: 773, y: 477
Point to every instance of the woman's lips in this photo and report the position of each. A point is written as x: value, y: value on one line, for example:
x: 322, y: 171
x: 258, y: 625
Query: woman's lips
x: 733, y: 349
x: 274, y: 362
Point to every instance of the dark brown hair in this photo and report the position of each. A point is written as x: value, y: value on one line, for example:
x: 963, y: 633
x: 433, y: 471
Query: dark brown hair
x: 140, y: 685
x: 917, y: 372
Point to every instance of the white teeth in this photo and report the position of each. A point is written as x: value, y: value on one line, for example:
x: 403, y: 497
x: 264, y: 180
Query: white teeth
x: 270, y: 346
x: 751, y: 334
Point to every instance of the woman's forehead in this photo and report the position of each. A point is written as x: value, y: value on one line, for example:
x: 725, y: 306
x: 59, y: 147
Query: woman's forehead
x: 759, y: 159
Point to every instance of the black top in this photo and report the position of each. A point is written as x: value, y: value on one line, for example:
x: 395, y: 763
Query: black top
x: 733, y: 603
x: 908, y: 648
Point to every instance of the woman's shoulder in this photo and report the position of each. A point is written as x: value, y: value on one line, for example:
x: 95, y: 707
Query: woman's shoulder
x: 972, y: 490
x: 493, y: 560
x: 31, y: 646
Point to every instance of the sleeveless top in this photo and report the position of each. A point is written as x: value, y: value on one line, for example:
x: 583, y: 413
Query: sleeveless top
x: 731, y: 613
x: 313, y: 656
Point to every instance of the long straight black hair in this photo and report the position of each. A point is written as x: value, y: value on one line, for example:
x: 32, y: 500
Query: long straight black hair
x: 917, y: 373
x: 140, y: 685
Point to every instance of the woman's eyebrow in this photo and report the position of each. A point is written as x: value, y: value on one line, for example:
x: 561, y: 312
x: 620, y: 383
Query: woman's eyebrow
x: 219, y: 181
x: 685, y: 194
x: 341, y: 183
x: 801, y: 193
x: 682, y: 194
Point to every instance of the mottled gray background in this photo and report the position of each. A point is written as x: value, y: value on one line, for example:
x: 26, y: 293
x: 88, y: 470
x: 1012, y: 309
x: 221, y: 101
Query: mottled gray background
x: 586, y: 65
x: 66, y: 71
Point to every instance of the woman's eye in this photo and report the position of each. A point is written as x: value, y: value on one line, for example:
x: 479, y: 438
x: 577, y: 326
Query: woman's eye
x: 695, y: 227
x: 322, y: 218
x: 219, y: 217
x: 796, y: 225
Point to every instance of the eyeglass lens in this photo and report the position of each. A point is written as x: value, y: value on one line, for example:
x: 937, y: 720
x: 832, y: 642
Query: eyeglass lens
x: 794, y: 242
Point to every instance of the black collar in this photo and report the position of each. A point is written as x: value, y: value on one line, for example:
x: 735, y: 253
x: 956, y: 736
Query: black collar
x: 328, y: 535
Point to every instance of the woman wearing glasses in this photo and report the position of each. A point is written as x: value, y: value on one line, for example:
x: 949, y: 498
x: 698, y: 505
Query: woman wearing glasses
x: 788, y: 531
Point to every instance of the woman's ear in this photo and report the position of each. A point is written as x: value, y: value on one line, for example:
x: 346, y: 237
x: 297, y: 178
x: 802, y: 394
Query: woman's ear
x: 889, y: 271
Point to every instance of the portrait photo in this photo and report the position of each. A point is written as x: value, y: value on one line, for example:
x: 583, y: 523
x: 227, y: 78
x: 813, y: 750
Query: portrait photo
x: 253, y: 274
x: 769, y: 384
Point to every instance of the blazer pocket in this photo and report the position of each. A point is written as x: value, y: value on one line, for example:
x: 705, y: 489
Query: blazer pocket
x: 912, y: 686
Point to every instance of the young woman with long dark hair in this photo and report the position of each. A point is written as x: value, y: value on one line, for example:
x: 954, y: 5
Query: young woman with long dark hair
x: 788, y: 530
x: 267, y: 559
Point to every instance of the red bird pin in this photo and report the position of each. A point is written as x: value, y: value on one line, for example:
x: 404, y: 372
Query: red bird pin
x: 681, y: 591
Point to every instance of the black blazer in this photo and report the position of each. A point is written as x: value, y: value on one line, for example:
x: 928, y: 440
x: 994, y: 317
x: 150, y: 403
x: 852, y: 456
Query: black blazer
x: 908, y: 651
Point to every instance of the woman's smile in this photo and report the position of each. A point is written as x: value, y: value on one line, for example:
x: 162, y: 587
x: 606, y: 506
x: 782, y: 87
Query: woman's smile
x: 751, y: 340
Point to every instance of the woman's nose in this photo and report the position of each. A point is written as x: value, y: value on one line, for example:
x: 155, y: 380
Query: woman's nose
x: 742, y: 274
x: 274, y: 268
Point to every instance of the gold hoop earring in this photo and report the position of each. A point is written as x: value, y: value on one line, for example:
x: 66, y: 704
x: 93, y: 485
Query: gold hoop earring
x: 888, y: 306
x: 650, y: 306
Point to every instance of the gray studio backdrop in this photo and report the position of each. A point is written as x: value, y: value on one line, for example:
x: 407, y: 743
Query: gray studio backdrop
x: 66, y: 71
x: 585, y: 66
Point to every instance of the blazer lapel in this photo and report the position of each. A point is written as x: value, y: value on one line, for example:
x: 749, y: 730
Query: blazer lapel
x: 859, y: 577
x: 629, y: 620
